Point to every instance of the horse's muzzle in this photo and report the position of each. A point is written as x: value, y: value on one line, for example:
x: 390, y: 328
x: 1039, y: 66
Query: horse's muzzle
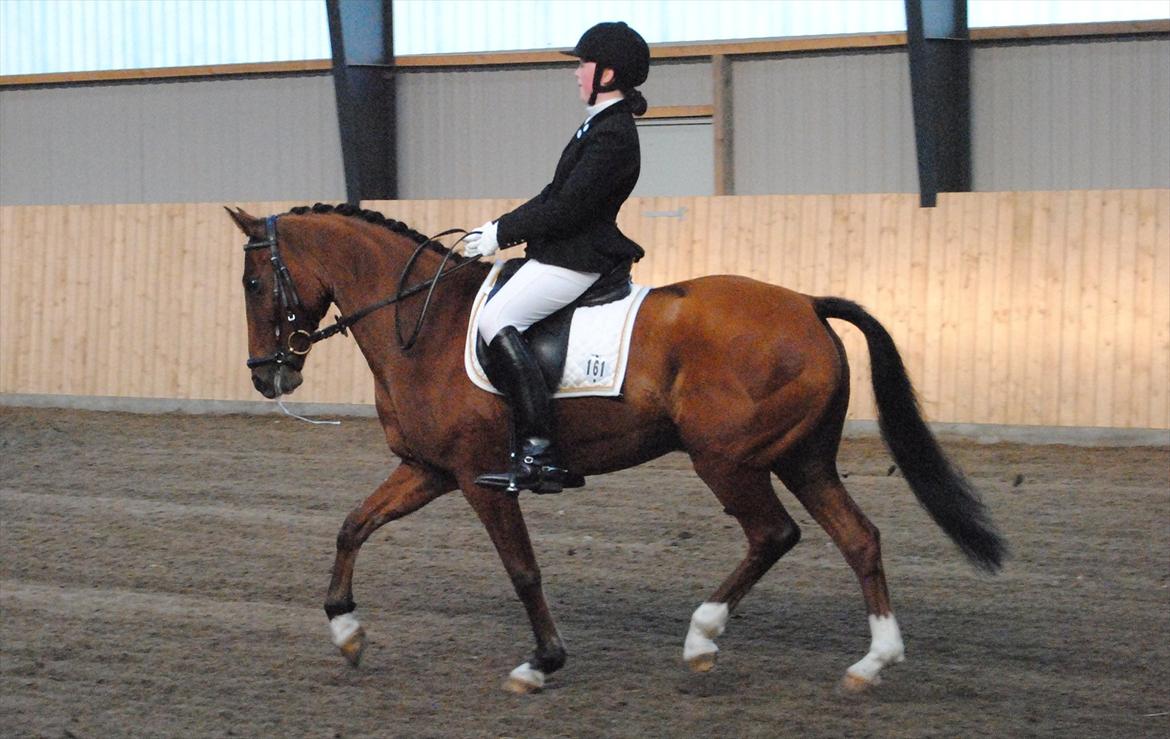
x: 274, y: 380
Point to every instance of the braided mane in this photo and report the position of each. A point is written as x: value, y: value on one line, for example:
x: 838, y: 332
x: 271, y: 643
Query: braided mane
x: 371, y: 216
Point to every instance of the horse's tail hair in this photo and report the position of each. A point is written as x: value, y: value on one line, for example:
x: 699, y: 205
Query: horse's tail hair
x: 940, y: 487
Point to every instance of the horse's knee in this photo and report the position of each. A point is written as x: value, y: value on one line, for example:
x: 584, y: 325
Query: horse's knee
x: 775, y: 542
x: 526, y: 580
x: 788, y: 536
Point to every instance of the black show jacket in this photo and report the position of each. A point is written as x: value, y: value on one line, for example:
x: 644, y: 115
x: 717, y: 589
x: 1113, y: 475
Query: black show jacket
x: 572, y: 223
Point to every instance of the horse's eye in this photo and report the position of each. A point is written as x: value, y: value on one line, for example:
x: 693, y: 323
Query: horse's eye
x: 252, y: 285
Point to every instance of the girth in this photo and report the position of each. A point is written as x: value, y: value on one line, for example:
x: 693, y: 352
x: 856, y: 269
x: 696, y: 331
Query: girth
x: 549, y: 338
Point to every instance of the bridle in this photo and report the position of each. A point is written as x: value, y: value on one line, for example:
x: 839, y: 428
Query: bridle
x: 300, y: 341
x: 286, y: 297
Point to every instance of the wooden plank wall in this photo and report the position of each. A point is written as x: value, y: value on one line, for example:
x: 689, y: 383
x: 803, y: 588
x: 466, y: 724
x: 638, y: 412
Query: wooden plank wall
x: 1017, y: 308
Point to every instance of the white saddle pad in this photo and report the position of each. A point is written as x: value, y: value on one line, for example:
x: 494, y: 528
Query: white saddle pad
x: 599, y: 344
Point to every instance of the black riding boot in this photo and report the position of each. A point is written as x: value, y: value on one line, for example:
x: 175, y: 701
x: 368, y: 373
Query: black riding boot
x: 534, y: 463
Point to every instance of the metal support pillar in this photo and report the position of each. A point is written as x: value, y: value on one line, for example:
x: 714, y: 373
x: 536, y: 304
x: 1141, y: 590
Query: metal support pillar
x: 362, y: 35
x: 940, y: 84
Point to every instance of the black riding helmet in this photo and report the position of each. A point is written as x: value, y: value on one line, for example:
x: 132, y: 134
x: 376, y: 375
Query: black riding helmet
x: 618, y: 47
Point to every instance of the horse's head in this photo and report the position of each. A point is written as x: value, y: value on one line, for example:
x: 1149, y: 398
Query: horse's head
x: 284, y: 303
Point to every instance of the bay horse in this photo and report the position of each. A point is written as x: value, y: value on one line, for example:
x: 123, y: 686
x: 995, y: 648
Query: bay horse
x: 746, y: 378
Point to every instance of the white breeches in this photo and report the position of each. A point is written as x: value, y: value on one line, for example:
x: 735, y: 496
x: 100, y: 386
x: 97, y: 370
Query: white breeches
x: 536, y: 291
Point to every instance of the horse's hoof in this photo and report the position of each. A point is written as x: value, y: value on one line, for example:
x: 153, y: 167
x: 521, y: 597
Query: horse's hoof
x: 707, y: 622
x: 524, y: 680
x: 353, y: 647
x: 521, y: 687
x: 348, y: 636
x: 702, y: 662
x: 856, y: 684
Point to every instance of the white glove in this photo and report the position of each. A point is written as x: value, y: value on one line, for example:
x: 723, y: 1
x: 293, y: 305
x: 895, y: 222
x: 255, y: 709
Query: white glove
x: 482, y: 244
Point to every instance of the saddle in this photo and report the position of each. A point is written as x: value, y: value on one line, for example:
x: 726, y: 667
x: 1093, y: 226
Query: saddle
x: 549, y: 338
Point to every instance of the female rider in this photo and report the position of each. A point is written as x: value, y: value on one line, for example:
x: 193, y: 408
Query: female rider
x: 573, y: 239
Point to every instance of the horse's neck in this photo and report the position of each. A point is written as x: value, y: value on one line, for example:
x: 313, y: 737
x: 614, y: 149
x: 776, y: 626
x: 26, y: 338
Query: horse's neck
x: 363, y: 265
x: 367, y: 269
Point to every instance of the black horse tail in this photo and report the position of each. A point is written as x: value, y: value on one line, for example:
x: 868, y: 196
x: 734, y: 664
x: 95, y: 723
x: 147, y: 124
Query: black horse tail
x: 940, y: 487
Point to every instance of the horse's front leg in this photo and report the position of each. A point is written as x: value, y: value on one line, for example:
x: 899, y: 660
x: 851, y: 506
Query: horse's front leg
x: 409, y: 487
x: 501, y: 516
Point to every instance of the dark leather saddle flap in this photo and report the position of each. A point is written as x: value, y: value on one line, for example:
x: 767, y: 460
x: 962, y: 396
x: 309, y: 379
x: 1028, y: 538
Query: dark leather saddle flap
x: 549, y: 338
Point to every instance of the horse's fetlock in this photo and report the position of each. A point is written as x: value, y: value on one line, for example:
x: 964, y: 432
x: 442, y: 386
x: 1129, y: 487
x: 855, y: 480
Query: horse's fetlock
x: 335, y: 609
x: 549, y: 660
x: 890, y: 653
x: 710, y: 619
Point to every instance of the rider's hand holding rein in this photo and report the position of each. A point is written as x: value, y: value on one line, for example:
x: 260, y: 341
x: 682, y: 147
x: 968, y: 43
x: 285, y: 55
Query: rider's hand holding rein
x: 482, y: 241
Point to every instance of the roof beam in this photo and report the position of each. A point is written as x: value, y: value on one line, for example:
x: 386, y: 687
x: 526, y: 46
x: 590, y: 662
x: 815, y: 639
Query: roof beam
x: 940, y: 85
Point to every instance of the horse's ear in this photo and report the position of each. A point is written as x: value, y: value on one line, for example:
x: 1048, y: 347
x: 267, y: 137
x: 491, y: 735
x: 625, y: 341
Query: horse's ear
x: 251, y: 226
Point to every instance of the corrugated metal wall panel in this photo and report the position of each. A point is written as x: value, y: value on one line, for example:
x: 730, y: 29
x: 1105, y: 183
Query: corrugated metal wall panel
x: 70, y: 146
x: 679, y: 83
x: 824, y: 124
x: 678, y: 157
x: 1071, y: 115
x: 498, y: 133
x: 483, y: 133
x: 254, y: 139
x: 1083, y: 114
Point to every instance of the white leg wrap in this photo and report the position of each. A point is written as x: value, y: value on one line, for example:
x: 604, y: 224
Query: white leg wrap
x: 343, y: 627
x: 528, y: 675
x: 884, y: 649
x: 708, y: 622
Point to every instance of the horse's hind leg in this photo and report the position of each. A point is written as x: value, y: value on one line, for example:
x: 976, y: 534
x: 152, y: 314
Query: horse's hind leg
x: 408, y: 488
x: 747, y: 495
x: 819, y: 489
